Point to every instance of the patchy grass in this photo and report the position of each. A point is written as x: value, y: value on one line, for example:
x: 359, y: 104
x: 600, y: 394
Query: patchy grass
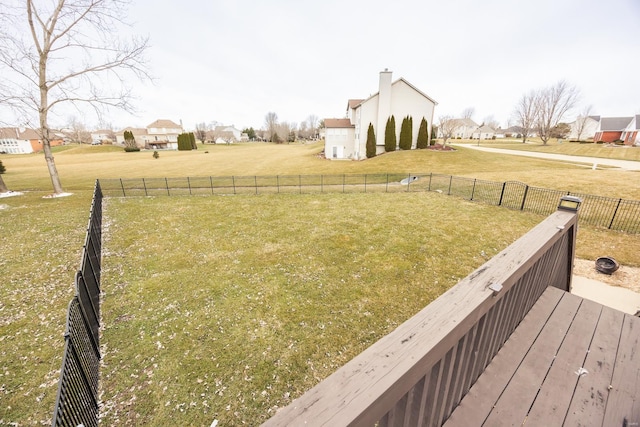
x: 40, y: 252
x: 229, y: 307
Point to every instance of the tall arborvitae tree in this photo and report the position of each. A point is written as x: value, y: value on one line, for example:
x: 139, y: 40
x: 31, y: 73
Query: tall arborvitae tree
x: 390, y: 135
x: 184, y: 142
x: 371, y: 142
x: 130, y: 142
x: 423, y: 135
x: 405, y: 134
x: 192, y: 140
x: 434, y: 134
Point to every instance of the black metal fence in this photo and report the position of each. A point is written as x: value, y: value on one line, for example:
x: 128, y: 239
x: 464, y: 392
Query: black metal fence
x: 77, y: 399
x: 606, y: 212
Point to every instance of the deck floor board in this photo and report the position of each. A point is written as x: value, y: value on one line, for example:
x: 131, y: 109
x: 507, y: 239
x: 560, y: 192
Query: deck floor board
x: 570, y: 362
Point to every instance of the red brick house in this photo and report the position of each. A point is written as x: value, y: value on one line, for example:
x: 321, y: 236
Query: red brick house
x: 613, y: 129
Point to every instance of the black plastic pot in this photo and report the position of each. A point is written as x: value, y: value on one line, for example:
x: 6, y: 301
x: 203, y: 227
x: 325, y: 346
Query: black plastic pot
x: 606, y: 265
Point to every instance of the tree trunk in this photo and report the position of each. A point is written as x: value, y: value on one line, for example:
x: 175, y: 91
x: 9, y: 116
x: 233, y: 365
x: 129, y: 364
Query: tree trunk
x: 44, y: 127
x: 51, y: 165
x: 3, y: 187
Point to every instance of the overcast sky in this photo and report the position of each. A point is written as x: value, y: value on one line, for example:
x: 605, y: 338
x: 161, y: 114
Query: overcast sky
x: 232, y: 61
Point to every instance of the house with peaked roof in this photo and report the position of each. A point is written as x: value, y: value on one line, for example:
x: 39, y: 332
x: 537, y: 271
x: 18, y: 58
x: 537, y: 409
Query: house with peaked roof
x: 584, y: 128
x: 161, y: 134
x: 610, y: 129
x: 24, y: 140
x: 483, y: 132
x: 631, y: 134
x: 346, y: 138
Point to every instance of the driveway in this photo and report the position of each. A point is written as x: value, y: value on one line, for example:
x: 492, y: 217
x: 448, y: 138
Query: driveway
x: 622, y: 164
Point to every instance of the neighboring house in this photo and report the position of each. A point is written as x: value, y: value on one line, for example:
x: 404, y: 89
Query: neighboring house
x: 228, y: 134
x: 340, y: 139
x: 346, y: 138
x: 161, y: 134
x: 584, y: 128
x: 103, y: 136
x: 24, y: 141
x: 465, y: 128
x: 610, y: 129
x: 483, y: 132
x: 631, y: 134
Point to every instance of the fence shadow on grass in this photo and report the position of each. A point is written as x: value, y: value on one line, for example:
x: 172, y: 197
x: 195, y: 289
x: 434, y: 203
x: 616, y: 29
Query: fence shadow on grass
x: 606, y: 212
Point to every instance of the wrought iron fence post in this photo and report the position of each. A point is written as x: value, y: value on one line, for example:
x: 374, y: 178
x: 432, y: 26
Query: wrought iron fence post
x: 211, y: 183
x: 278, y: 183
x: 408, y: 182
x: 473, y: 190
x: 386, y: 189
x: 233, y: 182
x: 524, y: 197
x: 189, y: 185
x: 322, y: 183
x: 504, y: 185
x: 365, y: 182
x: 144, y: 184
x: 450, y: 182
x: 166, y: 182
x: 615, y: 213
x: 430, y: 176
x: 122, y: 186
x: 255, y: 182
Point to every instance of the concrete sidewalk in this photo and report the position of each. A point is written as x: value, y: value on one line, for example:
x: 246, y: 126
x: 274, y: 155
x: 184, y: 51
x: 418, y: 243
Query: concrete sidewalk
x: 616, y: 297
x: 622, y: 164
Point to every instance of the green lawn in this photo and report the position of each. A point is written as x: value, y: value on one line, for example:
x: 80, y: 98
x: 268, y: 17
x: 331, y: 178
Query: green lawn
x: 173, y: 260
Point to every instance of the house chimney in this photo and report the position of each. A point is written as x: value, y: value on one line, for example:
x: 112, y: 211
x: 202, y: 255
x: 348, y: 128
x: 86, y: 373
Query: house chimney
x: 384, y: 103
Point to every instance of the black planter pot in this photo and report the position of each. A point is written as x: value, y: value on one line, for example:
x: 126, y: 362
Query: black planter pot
x: 606, y: 265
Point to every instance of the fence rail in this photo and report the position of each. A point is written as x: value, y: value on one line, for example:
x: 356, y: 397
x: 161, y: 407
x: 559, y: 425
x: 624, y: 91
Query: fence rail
x: 77, y: 398
x: 612, y: 213
x: 419, y: 373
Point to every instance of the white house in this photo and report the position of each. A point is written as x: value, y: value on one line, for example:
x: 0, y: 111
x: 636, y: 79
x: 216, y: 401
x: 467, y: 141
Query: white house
x: 346, y: 138
x: 15, y: 141
x: 584, y: 128
x: 161, y: 134
x: 483, y: 132
x: 228, y: 134
x: 465, y: 129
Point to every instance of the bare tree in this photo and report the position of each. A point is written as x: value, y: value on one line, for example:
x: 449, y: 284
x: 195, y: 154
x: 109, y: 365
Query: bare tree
x: 524, y: 115
x: 491, y: 122
x: 552, y: 104
x: 581, y: 122
x: 77, y: 131
x: 312, y: 125
x: 201, y: 132
x: 67, y: 52
x: 468, y: 113
x: 270, y: 124
x: 447, y: 125
x: 3, y: 186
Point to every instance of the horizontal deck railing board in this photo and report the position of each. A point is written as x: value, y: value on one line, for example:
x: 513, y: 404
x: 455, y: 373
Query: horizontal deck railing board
x: 425, y: 352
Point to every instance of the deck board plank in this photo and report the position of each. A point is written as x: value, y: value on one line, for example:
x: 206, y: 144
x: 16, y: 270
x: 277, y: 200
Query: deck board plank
x: 513, y: 405
x: 554, y: 398
x: 477, y: 404
x: 590, y: 396
x: 623, y: 403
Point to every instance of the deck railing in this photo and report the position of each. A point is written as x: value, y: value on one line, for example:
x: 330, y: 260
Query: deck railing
x: 417, y: 374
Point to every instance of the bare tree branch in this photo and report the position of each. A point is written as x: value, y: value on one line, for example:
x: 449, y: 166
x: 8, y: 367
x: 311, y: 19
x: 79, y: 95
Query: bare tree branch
x: 67, y: 52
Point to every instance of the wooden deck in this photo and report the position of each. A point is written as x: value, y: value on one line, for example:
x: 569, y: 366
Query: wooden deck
x: 570, y: 362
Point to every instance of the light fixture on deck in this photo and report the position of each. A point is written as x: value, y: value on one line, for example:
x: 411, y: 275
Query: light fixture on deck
x: 569, y: 203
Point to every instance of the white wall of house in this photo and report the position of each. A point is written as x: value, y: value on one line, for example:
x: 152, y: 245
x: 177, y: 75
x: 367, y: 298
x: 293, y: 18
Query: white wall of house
x: 590, y: 127
x: 339, y: 143
x: 15, y: 146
